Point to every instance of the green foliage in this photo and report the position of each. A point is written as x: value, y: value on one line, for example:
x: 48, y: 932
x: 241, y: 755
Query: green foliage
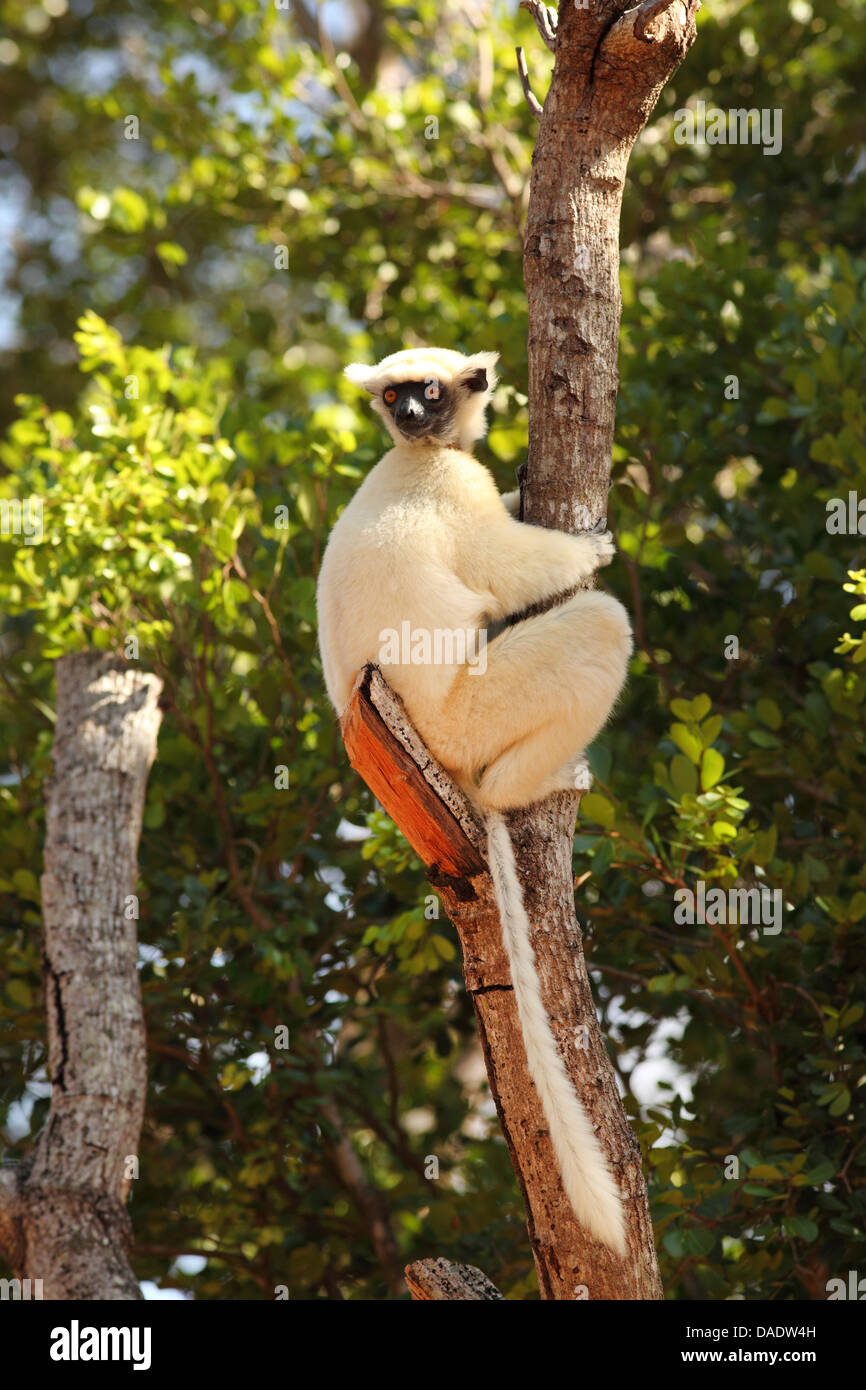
x: 174, y: 398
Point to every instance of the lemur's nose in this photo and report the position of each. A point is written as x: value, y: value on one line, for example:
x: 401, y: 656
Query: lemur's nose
x: 408, y: 409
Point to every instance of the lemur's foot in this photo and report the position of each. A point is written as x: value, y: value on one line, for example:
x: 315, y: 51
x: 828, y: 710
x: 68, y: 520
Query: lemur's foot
x: 581, y: 773
x: 573, y: 776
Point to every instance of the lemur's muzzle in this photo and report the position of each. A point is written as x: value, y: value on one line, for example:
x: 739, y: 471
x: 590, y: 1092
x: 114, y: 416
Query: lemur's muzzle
x: 410, y: 416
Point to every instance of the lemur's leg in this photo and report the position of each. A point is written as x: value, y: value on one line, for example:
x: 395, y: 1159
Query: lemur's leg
x: 550, y: 684
x: 513, y: 778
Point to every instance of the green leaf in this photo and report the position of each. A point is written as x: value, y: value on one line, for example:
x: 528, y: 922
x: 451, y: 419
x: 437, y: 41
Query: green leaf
x: 687, y: 742
x: 824, y: 1172
x: 603, y: 857
x: 585, y: 844
x: 700, y: 1240
x: 128, y: 210
x: 710, y: 729
x: 26, y: 886
x: 674, y: 1243
x: 595, y: 807
x: 19, y: 992
x: 682, y: 709
x: 763, y: 740
x: 801, y: 1227
x: 712, y: 768
x: 683, y: 775
x: 443, y: 947
x: 170, y: 253
x: 769, y: 713
x: 841, y: 1104
x: 805, y: 386
x: 600, y: 760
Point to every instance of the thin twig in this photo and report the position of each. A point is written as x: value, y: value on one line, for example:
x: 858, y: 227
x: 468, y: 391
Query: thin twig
x: 531, y: 99
x: 546, y: 19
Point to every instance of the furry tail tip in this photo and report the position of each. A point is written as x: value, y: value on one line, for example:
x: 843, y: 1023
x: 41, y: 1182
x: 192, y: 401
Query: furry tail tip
x: 586, y: 1177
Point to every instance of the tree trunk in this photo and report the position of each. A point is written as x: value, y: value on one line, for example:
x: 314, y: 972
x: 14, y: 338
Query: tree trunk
x: 610, y: 68
x: 62, y: 1216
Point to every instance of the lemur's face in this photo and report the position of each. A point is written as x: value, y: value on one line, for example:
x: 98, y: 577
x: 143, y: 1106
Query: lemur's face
x: 427, y: 409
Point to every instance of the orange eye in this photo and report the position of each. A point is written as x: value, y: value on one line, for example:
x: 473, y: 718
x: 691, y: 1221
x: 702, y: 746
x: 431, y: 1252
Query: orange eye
x: 431, y: 390
x: 390, y: 396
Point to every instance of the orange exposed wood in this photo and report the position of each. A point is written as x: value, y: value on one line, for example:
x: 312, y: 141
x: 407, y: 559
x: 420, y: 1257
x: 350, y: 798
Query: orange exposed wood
x: 396, y: 780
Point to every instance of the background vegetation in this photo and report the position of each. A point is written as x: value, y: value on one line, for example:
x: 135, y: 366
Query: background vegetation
x: 167, y: 390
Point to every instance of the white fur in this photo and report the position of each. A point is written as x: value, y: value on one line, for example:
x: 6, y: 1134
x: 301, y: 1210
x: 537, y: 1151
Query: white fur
x: 585, y: 1175
x: 428, y: 540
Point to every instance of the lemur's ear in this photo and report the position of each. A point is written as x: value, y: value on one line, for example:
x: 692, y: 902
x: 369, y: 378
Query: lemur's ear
x: 478, y: 374
x: 360, y: 374
x: 476, y: 380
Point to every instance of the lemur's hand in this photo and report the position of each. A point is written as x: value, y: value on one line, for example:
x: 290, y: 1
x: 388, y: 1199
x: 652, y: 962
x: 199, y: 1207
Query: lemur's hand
x: 603, y: 547
x: 511, y: 502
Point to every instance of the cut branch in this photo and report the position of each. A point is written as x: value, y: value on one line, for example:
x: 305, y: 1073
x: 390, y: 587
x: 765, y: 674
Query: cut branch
x: 441, y: 1281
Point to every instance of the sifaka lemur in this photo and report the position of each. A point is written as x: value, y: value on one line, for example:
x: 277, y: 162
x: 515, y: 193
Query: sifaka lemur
x: 429, y: 549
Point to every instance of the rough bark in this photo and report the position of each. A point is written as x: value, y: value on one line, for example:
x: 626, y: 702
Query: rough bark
x: 610, y: 68
x: 441, y: 1281
x: 62, y: 1216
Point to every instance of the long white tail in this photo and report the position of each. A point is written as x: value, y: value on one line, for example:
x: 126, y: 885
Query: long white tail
x: 586, y: 1177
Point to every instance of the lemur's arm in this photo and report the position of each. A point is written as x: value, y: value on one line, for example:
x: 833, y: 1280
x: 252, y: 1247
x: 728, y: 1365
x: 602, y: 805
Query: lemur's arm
x: 521, y: 565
